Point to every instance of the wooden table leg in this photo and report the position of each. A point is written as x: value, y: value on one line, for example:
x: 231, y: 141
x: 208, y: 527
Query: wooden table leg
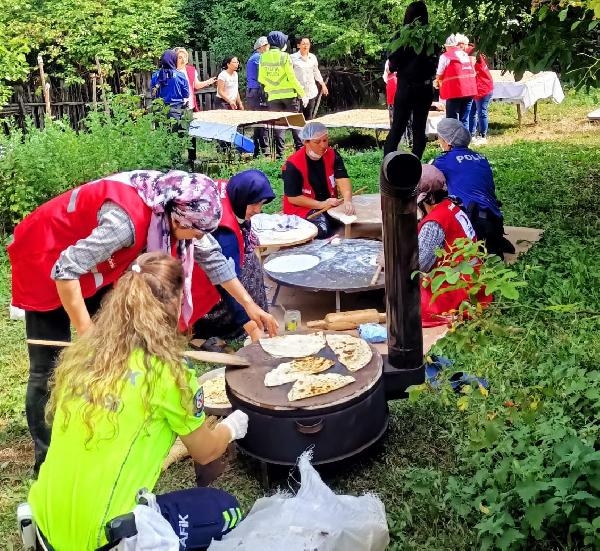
x: 348, y: 231
x: 338, y: 305
x: 519, y: 116
x: 535, y: 112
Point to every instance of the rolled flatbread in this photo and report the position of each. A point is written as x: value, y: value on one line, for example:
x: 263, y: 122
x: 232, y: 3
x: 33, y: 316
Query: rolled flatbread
x: 351, y: 351
x: 293, y: 346
x: 313, y: 385
x: 290, y: 371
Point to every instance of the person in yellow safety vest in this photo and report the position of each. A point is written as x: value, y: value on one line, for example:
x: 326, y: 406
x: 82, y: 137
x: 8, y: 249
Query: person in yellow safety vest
x: 276, y: 74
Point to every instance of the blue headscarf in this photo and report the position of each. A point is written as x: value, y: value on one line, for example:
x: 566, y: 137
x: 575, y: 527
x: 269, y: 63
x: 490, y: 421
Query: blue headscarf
x: 168, y: 64
x: 246, y: 188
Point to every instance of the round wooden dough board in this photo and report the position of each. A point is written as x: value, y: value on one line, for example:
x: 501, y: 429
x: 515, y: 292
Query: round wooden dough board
x: 249, y: 384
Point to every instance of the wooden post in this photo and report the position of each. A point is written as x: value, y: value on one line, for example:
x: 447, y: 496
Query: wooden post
x: 101, y: 79
x: 94, y: 91
x: 45, y: 85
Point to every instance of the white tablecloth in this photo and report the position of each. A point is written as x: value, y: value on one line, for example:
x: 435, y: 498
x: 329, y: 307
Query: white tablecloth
x: 528, y: 90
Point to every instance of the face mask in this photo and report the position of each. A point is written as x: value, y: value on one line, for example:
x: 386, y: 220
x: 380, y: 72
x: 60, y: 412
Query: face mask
x: 314, y: 156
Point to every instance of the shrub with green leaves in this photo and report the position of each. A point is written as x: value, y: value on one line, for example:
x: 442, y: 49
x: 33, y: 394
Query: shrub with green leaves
x: 36, y: 165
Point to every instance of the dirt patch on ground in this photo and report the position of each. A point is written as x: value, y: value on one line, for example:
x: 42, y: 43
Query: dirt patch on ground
x: 16, y: 459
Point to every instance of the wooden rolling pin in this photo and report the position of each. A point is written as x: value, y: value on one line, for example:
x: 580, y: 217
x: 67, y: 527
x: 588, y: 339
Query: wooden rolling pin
x: 343, y: 321
x: 200, y: 355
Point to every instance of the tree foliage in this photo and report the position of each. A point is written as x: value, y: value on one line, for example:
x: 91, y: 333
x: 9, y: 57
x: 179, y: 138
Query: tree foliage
x: 131, y: 34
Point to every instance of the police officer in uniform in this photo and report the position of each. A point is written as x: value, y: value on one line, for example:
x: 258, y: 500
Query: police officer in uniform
x: 469, y: 177
x: 276, y: 74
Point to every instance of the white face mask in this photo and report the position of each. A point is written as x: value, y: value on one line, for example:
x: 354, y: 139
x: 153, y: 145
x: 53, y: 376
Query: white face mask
x: 314, y: 156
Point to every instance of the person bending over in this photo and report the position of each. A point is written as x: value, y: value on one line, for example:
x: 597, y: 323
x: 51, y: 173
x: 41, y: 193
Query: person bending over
x: 241, y: 198
x: 469, y: 177
x: 120, y: 396
x: 442, y: 223
x: 313, y: 177
x: 69, y: 251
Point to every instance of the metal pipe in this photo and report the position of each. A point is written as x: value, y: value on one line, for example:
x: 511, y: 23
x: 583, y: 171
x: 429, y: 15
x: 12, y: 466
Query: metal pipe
x: 403, y: 366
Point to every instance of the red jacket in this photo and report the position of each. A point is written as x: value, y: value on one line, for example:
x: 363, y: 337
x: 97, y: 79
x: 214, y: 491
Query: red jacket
x: 298, y: 160
x: 456, y: 225
x: 390, y: 88
x: 458, y: 79
x: 483, y: 77
x: 191, y: 75
x: 51, y: 228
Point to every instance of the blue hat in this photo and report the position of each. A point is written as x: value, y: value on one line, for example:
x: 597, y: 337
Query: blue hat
x: 277, y: 39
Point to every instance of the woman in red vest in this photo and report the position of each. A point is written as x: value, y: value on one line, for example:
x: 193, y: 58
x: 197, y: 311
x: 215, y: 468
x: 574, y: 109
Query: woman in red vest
x: 67, y: 253
x: 455, y: 78
x: 192, y: 77
x: 442, y: 224
x: 478, y: 114
x: 241, y: 198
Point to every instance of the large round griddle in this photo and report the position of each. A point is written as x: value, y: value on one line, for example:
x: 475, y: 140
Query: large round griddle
x: 249, y: 384
x: 347, y: 267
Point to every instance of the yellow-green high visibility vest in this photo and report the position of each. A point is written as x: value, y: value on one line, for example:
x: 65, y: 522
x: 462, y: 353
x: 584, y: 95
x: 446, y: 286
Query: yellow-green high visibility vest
x: 276, y: 74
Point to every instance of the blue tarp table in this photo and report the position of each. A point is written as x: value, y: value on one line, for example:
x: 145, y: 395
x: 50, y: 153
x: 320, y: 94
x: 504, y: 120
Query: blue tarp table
x: 225, y: 124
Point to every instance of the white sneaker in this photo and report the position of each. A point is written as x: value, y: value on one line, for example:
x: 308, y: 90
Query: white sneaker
x: 475, y: 140
x: 482, y: 141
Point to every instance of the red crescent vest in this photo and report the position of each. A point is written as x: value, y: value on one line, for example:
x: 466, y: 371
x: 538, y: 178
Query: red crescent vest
x: 204, y: 294
x: 483, y: 77
x: 456, y: 225
x: 191, y: 75
x: 458, y: 80
x: 298, y: 159
x: 390, y: 88
x: 52, y: 227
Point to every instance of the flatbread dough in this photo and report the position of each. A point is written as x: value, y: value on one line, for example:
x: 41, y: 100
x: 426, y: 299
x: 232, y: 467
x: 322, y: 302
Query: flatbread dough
x: 351, y: 351
x: 289, y: 263
x: 214, y: 392
x: 293, y: 346
x: 290, y: 371
x: 313, y: 385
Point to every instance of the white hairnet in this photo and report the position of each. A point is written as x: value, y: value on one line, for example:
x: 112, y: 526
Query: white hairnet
x: 312, y: 129
x: 450, y: 41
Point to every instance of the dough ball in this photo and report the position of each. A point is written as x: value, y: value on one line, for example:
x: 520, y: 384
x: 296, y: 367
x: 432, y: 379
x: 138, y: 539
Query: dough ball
x: 336, y: 241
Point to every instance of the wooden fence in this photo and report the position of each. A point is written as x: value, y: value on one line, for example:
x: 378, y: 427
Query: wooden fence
x: 347, y: 90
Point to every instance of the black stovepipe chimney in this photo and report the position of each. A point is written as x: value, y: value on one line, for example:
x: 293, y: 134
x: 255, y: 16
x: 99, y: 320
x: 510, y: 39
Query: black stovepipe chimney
x: 403, y: 366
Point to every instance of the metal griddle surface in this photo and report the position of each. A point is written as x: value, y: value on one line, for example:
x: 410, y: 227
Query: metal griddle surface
x: 249, y: 384
x: 347, y: 267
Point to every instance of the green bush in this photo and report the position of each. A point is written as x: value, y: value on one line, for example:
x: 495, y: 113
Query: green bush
x: 36, y: 165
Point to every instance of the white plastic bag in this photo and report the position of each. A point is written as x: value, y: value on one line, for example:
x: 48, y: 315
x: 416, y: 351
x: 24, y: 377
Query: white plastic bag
x: 315, y: 518
x: 154, y: 532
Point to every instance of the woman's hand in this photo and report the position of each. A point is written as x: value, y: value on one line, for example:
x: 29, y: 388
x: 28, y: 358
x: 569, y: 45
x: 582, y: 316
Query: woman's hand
x: 264, y: 321
x: 253, y: 331
x: 329, y: 203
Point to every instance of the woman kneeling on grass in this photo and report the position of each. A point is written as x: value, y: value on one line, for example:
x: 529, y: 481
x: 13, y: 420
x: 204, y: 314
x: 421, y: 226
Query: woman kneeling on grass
x: 120, y: 396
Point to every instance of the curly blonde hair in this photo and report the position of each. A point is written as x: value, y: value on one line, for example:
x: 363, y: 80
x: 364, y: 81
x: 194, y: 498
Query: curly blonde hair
x: 141, y: 312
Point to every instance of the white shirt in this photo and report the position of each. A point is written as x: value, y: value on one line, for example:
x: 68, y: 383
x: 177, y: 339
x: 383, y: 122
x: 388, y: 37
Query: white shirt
x: 231, y: 85
x: 307, y: 72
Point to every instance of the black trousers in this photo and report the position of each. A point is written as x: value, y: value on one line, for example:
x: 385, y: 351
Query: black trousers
x: 326, y: 225
x: 55, y: 326
x: 286, y: 104
x: 255, y: 102
x: 410, y: 99
x: 490, y: 228
x: 307, y: 112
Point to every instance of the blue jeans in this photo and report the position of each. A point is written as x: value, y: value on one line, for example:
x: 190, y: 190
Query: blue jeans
x: 458, y: 108
x: 478, y: 116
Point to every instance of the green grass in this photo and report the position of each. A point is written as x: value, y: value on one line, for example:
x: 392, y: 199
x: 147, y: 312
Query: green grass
x: 450, y: 479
